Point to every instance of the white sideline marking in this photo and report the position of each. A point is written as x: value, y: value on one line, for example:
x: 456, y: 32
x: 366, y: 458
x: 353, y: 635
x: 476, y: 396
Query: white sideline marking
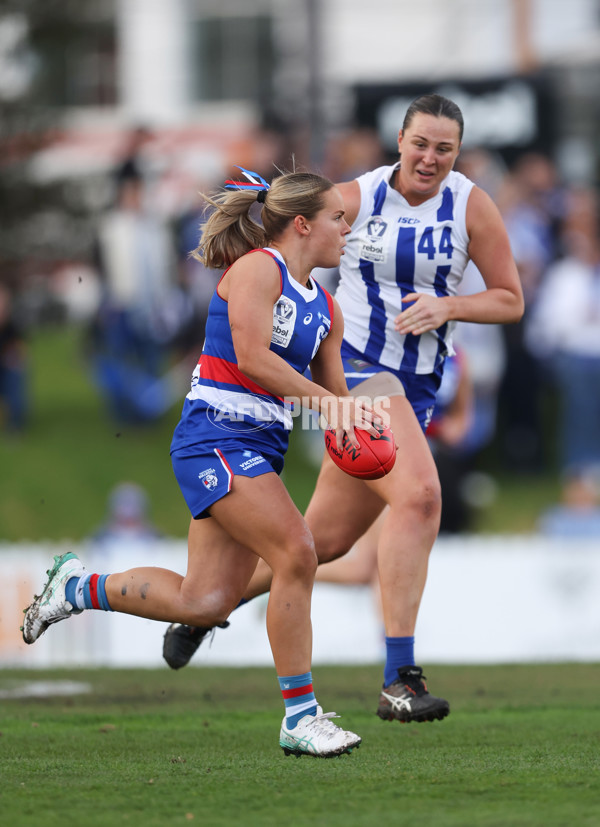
x: 44, y: 689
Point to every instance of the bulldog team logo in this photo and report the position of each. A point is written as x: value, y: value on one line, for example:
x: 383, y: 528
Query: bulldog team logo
x: 209, y: 479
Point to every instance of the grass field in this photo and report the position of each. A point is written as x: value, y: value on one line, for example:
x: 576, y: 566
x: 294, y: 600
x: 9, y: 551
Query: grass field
x: 520, y: 748
x: 57, y: 475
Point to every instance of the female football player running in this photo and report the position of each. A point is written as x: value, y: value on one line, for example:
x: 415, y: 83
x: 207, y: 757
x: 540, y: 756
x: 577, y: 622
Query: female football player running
x: 415, y: 226
x: 268, y: 321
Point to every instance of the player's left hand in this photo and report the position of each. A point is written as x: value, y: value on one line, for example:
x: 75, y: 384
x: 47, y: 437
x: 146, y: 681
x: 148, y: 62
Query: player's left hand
x: 345, y: 413
x: 425, y: 313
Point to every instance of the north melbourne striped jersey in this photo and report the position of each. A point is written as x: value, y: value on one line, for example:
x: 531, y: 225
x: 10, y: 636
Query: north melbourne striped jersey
x: 395, y: 249
x: 225, y: 404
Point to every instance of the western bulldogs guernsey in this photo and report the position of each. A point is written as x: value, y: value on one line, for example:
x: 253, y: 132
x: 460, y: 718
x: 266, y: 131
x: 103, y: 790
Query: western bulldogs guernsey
x: 395, y: 249
x: 225, y: 405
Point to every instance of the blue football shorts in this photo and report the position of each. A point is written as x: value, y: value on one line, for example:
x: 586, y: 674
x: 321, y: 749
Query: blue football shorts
x: 207, y: 476
x: 420, y: 388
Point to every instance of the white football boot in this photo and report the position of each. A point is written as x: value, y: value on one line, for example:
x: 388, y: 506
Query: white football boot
x: 52, y: 605
x: 317, y: 735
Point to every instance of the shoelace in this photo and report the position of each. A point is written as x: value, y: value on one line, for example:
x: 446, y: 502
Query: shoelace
x: 209, y: 633
x: 323, y: 723
x: 212, y: 631
x: 202, y: 634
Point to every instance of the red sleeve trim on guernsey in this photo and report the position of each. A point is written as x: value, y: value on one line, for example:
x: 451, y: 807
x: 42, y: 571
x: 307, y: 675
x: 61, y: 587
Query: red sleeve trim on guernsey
x: 220, y: 370
x: 329, y: 298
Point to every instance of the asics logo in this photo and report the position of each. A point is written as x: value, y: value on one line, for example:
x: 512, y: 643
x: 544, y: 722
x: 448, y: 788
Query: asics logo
x: 398, y: 704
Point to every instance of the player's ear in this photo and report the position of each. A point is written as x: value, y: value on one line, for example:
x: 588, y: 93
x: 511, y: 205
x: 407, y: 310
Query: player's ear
x: 302, y: 225
x: 400, y: 135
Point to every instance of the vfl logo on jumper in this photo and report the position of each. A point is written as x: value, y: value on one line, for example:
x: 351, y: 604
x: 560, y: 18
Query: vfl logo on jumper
x: 376, y: 227
x: 236, y: 413
x: 209, y: 479
x: 284, y: 319
x: 374, y: 247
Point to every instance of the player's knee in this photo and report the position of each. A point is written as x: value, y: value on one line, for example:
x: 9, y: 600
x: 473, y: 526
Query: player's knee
x: 212, y: 609
x: 334, y: 543
x: 298, y: 561
x: 305, y: 560
x: 425, y: 498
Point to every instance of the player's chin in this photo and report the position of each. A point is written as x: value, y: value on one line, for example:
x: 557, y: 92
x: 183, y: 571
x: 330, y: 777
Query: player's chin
x: 335, y: 260
x: 429, y: 181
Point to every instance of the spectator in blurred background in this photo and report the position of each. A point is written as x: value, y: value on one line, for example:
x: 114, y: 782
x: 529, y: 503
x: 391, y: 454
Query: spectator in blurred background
x: 578, y: 513
x: 14, y: 406
x: 446, y: 433
x: 198, y: 281
x: 127, y: 517
x: 354, y: 152
x: 485, y: 167
x: 532, y: 202
x: 530, y: 199
x: 564, y: 332
x: 484, y: 351
x: 142, y: 307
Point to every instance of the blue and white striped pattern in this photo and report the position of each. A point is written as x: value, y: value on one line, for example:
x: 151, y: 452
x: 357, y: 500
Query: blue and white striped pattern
x: 395, y: 249
x: 298, y: 696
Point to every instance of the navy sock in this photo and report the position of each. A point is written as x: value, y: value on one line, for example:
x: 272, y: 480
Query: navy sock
x: 400, y: 651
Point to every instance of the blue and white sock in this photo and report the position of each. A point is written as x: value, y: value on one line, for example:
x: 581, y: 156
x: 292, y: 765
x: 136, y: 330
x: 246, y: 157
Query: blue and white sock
x: 88, y: 592
x: 298, y: 696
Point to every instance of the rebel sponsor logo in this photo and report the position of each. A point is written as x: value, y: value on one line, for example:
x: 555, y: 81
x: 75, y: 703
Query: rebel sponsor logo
x: 375, y: 252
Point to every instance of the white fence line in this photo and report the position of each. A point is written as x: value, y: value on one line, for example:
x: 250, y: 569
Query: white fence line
x: 497, y: 599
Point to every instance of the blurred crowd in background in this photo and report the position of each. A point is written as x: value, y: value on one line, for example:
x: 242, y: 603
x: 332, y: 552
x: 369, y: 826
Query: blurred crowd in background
x: 141, y: 302
x: 116, y: 115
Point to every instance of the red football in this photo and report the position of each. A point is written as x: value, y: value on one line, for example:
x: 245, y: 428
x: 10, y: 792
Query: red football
x: 373, y: 459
